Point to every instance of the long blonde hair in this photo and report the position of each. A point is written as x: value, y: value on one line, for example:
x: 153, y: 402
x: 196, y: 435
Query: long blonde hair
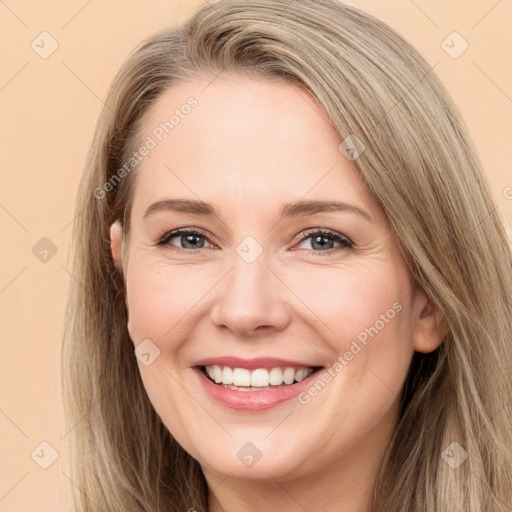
x: 423, y: 169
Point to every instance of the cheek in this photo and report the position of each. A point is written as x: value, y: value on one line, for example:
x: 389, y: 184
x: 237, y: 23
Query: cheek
x: 159, y: 299
x: 367, y: 311
x: 366, y: 303
x: 359, y: 315
x: 349, y: 302
x: 364, y: 315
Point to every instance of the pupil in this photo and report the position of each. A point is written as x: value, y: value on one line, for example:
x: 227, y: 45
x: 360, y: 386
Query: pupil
x: 321, y: 240
x: 189, y: 239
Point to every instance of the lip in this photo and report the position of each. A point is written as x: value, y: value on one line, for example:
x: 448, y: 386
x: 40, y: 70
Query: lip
x: 253, y: 363
x: 253, y: 401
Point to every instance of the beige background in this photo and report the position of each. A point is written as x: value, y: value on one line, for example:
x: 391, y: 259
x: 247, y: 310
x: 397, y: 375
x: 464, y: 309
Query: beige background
x: 49, y: 108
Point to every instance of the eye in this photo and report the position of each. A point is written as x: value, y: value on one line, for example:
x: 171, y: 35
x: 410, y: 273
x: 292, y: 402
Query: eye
x: 189, y: 239
x: 323, y: 240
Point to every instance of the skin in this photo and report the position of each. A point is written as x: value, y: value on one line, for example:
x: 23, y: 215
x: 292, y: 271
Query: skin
x: 247, y: 148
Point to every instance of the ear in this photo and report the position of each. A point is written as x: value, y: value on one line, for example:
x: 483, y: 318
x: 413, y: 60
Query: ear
x: 430, y: 326
x: 117, y: 248
x: 116, y: 238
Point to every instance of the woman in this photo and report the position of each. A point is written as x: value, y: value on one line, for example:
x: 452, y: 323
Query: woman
x: 295, y: 292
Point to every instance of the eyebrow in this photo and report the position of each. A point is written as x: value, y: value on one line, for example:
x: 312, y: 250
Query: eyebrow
x: 295, y: 209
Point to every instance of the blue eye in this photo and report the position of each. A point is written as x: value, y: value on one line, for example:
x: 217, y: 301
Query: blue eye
x: 322, y: 241
x: 188, y: 237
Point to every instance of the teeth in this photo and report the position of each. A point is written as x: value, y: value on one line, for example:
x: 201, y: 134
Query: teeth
x: 276, y: 377
x: 241, y: 377
x: 289, y: 375
x: 227, y: 375
x: 259, y: 378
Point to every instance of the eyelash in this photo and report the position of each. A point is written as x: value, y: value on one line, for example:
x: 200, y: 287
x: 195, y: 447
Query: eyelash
x: 338, y: 237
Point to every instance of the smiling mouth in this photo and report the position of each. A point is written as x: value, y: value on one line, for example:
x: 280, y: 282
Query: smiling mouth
x: 259, y: 379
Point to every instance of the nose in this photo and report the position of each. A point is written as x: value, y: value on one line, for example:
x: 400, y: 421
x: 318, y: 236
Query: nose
x: 251, y: 300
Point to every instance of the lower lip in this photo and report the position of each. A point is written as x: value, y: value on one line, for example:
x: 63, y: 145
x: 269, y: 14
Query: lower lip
x: 253, y: 401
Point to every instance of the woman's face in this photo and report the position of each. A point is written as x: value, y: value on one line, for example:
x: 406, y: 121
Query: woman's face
x: 256, y: 288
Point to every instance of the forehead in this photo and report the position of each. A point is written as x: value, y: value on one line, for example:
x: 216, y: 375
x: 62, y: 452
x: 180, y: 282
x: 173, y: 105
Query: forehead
x: 249, y: 141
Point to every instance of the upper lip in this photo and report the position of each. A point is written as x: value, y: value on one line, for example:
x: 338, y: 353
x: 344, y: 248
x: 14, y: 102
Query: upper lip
x: 252, y: 363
